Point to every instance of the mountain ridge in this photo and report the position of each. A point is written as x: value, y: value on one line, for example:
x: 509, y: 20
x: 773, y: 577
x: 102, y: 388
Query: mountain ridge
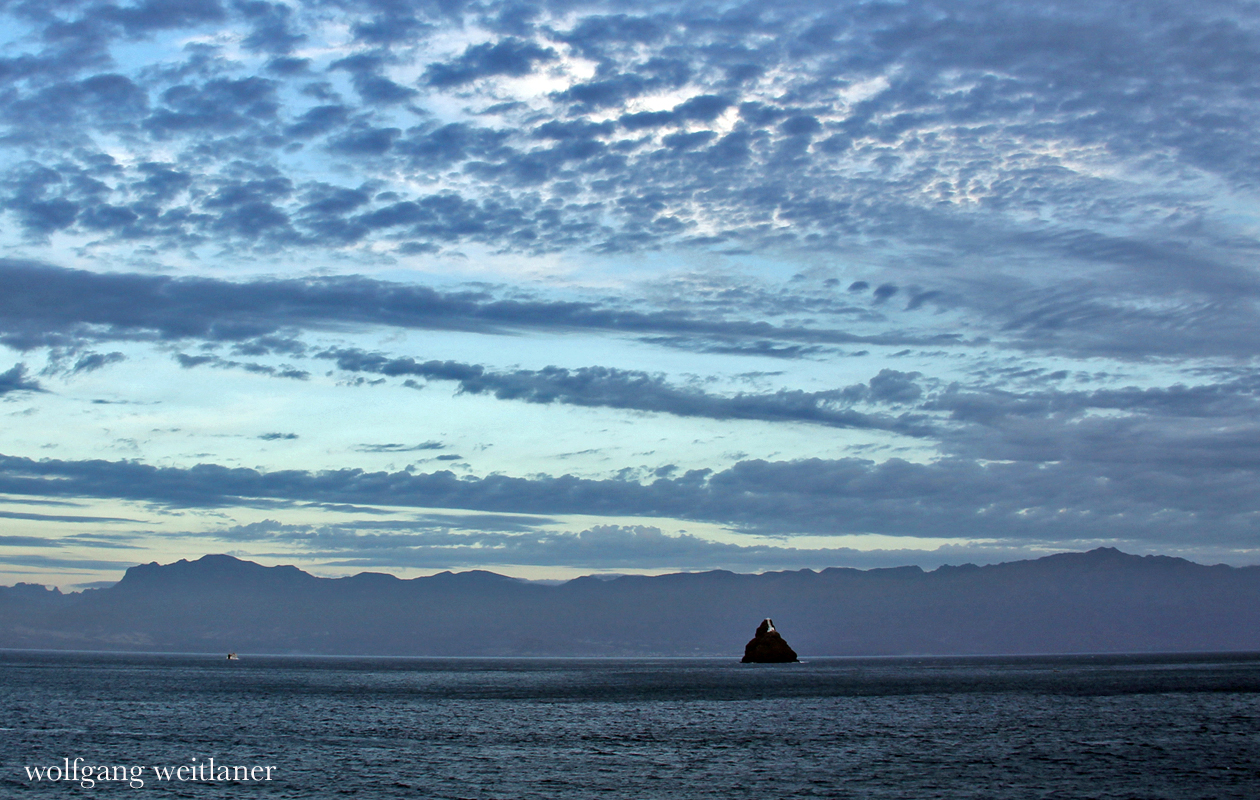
x: 1102, y: 600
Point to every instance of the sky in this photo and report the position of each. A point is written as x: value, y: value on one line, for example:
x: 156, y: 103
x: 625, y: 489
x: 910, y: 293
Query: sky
x: 565, y: 288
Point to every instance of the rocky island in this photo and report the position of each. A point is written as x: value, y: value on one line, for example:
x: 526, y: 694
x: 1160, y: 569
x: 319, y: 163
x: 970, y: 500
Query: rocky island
x: 768, y: 647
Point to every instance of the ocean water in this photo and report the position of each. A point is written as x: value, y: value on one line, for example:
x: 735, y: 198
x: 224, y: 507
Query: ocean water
x: 1176, y: 727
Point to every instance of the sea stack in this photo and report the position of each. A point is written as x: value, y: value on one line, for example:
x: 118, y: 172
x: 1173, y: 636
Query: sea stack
x: 768, y: 647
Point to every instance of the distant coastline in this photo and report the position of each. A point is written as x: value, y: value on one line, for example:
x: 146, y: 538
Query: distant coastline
x: 1103, y: 601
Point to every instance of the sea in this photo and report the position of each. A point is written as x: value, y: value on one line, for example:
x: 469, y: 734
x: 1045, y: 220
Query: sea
x: 1151, y: 726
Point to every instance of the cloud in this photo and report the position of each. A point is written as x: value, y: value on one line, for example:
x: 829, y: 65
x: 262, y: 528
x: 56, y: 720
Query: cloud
x: 1177, y: 501
x: 372, y: 86
x: 60, y: 517
x: 151, y: 15
x: 51, y: 562
x: 41, y: 305
x: 318, y: 120
x: 763, y: 348
x: 217, y: 106
x: 273, y: 30
x: 190, y: 362
x: 601, y: 547
x: 923, y: 122
x: 391, y: 27
x: 15, y: 380
x: 939, y: 142
x: 640, y: 391
x: 509, y: 56
x: 91, y: 362
x: 8, y: 540
x: 399, y: 448
x: 884, y: 292
x: 365, y: 141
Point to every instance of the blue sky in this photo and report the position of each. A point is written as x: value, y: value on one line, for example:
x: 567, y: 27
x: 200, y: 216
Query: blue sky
x: 553, y: 289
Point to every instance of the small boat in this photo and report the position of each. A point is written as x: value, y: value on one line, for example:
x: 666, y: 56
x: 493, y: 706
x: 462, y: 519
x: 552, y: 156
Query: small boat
x: 232, y: 657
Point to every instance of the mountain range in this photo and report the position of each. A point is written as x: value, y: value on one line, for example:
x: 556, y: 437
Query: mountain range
x: 1101, y: 601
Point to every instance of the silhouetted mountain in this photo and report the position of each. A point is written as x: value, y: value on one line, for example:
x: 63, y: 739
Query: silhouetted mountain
x: 1100, y: 601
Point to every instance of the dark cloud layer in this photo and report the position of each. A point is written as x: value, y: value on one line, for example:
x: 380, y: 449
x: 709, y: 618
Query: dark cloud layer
x: 1175, y: 501
x: 640, y: 391
x: 42, y: 305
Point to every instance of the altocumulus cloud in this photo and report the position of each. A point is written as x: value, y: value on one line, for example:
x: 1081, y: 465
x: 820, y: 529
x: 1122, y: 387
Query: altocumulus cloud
x: 840, y: 121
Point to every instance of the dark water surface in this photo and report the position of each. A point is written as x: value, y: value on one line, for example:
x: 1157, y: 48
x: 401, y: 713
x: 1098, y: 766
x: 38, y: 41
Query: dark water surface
x: 1176, y: 727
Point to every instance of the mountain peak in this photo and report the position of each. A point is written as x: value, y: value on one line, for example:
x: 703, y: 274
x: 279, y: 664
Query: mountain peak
x: 217, y: 568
